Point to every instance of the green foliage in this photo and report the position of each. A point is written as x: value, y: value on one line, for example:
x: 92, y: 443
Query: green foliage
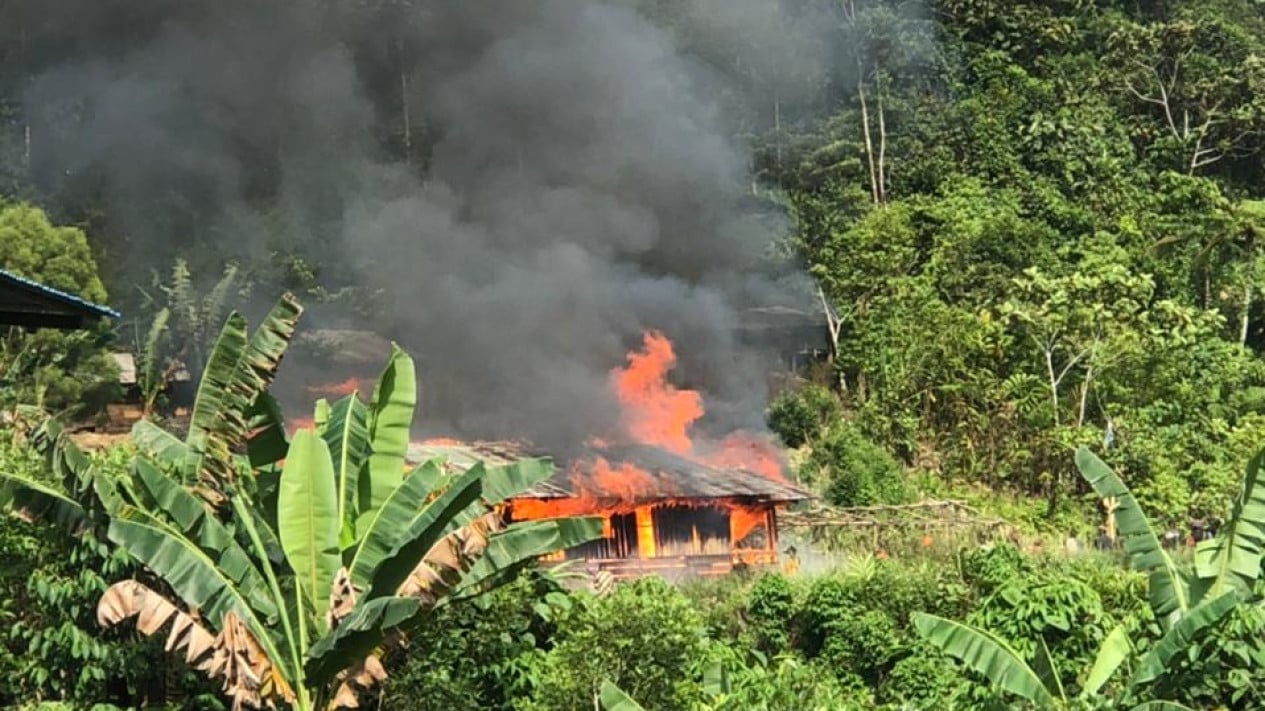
x: 990, y: 656
x: 1224, y: 667
x: 857, y: 624
x: 52, y: 647
x: 785, y: 682
x: 924, y: 679
x: 1109, y: 158
x: 770, y: 611
x: 855, y: 471
x: 800, y: 416
x: 31, y: 246
x: 989, y: 568
x: 479, y: 655
x: 182, y: 322
x: 1066, y: 616
x: 644, y: 637
x: 51, y: 369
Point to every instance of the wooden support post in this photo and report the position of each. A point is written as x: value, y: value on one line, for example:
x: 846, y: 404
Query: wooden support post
x: 771, y: 523
x: 645, y: 532
x: 1109, y: 506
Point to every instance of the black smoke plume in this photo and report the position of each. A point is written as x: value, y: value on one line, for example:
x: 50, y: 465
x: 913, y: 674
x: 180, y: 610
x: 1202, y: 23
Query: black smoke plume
x: 525, y: 186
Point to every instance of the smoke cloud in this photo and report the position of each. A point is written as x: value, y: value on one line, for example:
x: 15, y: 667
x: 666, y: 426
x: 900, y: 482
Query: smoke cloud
x: 580, y: 187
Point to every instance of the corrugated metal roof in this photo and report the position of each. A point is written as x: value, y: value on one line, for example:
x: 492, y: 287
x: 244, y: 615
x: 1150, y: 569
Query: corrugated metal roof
x: 674, y: 477
x: 58, y: 295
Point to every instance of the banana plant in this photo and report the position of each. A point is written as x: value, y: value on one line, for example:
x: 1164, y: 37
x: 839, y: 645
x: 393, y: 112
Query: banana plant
x: 1230, y: 561
x: 1168, y: 588
x: 1041, y: 684
x: 286, y: 568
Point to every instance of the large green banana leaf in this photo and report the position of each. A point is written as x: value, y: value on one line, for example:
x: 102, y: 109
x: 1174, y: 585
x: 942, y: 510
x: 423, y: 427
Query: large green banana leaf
x: 191, y: 518
x: 521, y: 544
x: 358, y: 635
x: 390, y: 418
x: 94, y: 491
x: 69, y: 465
x: 191, y: 573
x: 265, y: 528
x: 265, y: 349
x: 238, y: 371
x: 1167, y: 589
x: 307, y: 518
x: 266, y: 444
x: 613, y: 698
x: 161, y: 445
x: 505, y: 481
x: 1114, y: 651
x: 987, y: 654
x: 1232, y: 560
x: 502, y: 482
x: 380, y: 530
x: 34, y: 500
x: 422, y: 531
x: 214, y: 402
x: 347, y: 434
x: 1043, y: 665
x: 716, y: 681
x: 1178, y: 638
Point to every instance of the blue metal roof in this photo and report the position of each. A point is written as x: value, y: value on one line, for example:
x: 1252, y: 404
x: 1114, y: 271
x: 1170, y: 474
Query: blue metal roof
x: 62, y: 296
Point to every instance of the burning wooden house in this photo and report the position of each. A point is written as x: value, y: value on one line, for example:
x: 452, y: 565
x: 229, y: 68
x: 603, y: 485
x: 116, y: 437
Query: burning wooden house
x: 662, y: 512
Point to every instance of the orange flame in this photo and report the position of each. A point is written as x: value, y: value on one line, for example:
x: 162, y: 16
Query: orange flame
x: 655, y: 412
x: 623, y: 482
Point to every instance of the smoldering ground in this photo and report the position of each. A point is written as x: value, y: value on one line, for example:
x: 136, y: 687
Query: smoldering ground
x: 577, y: 186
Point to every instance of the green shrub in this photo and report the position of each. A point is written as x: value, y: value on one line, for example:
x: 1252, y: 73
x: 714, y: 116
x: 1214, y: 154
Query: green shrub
x: 858, y: 625
x: 1123, y: 592
x: 644, y: 636
x: 988, y: 568
x: 770, y: 611
x: 829, y: 598
x: 479, y: 655
x: 1066, y: 613
x: 923, y: 679
x: 787, y: 682
x: 863, y: 643
x: 723, y: 604
x: 855, y: 470
x: 799, y: 417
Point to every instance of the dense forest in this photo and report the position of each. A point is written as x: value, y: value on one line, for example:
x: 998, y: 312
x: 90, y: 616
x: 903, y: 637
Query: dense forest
x: 1028, y: 227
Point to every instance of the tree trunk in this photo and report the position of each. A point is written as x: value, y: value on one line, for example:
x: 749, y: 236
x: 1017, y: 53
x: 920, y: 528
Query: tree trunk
x: 869, y: 142
x: 1247, y: 311
x: 1089, y: 376
x: 1054, y: 383
x: 882, y: 148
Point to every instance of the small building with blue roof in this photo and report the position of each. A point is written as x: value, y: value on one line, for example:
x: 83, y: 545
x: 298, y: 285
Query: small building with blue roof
x: 29, y: 304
